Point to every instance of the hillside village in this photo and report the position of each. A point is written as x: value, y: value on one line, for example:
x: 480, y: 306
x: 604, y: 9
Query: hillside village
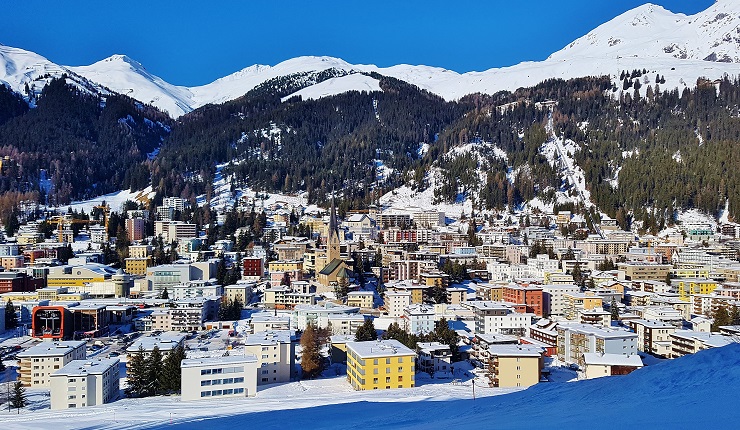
x: 274, y: 292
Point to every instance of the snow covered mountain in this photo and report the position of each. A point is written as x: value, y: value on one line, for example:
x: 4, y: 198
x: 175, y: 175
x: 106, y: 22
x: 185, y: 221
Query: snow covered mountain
x: 681, y: 48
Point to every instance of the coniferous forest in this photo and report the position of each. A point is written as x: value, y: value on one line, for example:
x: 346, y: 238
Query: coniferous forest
x: 645, y: 151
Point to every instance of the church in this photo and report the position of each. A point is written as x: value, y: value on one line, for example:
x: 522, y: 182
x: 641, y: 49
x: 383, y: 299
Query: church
x: 332, y: 265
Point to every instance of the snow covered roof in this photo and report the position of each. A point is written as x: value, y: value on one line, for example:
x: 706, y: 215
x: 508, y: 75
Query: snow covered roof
x: 86, y: 367
x: 272, y: 337
x: 599, y: 359
x: 209, y: 361
x: 379, y: 348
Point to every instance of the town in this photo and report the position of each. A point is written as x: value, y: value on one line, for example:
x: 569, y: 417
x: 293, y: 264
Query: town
x: 275, y: 291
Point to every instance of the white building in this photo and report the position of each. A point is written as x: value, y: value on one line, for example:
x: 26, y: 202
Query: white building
x: 419, y: 318
x: 537, y: 267
x: 166, y: 342
x: 85, y: 383
x: 396, y: 302
x: 553, y: 297
x: 499, y: 317
x: 38, y: 362
x: 319, y: 315
x: 275, y: 352
x: 576, y: 339
x: 218, y: 377
x: 433, y: 357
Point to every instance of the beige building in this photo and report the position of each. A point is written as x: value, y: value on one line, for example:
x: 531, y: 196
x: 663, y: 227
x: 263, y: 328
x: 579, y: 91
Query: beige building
x: 515, y: 365
x: 396, y: 302
x: 38, y: 362
x: 455, y: 296
x: 275, y: 352
x: 241, y: 291
x: 361, y: 299
x: 597, y: 365
x: 575, y: 302
x: 85, y: 383
x: 644, y: 271
x: 653, y: 337
x: 684, y: 342
x: 218, y: 377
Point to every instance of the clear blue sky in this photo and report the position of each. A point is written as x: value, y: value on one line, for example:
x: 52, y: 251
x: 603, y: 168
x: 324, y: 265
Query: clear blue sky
x: 193, y: 43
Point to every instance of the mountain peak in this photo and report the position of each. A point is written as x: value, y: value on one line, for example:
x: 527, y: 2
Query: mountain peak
x: 121, y: 59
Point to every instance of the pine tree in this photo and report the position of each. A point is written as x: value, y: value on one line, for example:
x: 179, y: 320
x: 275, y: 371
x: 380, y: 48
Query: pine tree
x: 614, y: 309
x: 366, y: 331
x: 18, y: 398
x: 311, y: 361
x: 11, y: 318
x: 136, y: 374
x: 153, y: 372
x: 171, y: 372
x: 165, y: 294
x: 444, y: 334
x: 735, y: 316
x: 721, y: 318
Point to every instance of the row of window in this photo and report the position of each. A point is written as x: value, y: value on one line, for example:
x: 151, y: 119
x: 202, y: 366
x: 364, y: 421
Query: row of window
x: 222, y: 370
x: 221, y: 381
x: 227, y: 392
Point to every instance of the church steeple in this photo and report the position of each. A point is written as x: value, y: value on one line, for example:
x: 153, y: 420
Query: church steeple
x: 332, y: 248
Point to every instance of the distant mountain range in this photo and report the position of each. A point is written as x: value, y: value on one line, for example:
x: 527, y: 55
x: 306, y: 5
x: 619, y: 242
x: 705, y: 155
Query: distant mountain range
x: 681, y: 47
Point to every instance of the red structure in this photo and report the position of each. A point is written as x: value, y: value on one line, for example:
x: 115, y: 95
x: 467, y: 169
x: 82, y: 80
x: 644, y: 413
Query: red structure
x: 16, y: 282
x: 253, y: 266
x: 529, y: 296
x: 52, y: 322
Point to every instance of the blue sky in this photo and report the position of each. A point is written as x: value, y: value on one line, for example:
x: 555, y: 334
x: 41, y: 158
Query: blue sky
x: 193, y: 43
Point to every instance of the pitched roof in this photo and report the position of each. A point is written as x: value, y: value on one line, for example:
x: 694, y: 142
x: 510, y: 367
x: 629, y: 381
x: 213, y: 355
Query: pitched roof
x: 331, y: 267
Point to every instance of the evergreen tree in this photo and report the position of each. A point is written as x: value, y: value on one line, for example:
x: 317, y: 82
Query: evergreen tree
x: 18, y: 398
x: 171, y: 372
x: 445, y: 335
x: 165, y: 294
x: 311, y: 361
x: 136, y: 377
x: 614, y: 309
x: 438, y: 293
x: 342, y: 288
x: 577, y: 274
x: 11, y: 318
x: 366, y: 331
x: 721, y: 318
x: 153, y: 372
x: 2, y: 366
x: 735, y: 316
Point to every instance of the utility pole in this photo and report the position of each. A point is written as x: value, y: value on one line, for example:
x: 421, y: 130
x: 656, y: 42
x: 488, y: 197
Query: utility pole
x: 473, y: 388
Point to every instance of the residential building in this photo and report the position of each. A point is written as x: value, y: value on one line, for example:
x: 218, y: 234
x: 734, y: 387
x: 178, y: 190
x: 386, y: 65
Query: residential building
x: 361, y: 299
x: 218, y: 377
x: 319, y: 315
x: 575, y: 339
x: 83, y: 383
x: 644, y: 271
x: 575, y: 302
x: 597, y: 365
x: 380, y: 365
x: 275, y: 352
x: 515, y: 365
x: 686, y: 287
x: 37, y: 363
x: 419, y: 319
x: 135, y: 229
x: 529, y: 297
x: 396, y: 302
x: 499, y: 317
x: 553, y: 297
x: 653, y: 337
x: 684, y: 342
x: 455, y: 296
x: 165, y: 342
x: 433, y: 357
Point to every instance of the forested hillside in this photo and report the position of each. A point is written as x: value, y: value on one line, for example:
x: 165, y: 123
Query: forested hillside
x: 87, y: 146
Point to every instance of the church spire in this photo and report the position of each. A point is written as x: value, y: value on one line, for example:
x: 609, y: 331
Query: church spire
x: 333, y: 226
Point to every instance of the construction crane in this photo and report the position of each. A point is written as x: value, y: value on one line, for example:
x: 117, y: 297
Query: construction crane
x: 67, y: 220
x: 106, y: 213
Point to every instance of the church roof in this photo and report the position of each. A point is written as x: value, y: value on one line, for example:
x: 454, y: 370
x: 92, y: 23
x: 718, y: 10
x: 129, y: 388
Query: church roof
x: 331, y: 267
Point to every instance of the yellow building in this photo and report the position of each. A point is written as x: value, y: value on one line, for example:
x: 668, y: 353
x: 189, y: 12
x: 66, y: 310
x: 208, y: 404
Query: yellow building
x: 690, y: 272
x: 416, y: 290
x: 361, y: 299
x: 137, y: 266
x: 515, y: 365
x: 380, y: 365
x: 575, y: 302
x: 689, y: 286
x: 78, y: 276
x: 285, y: 265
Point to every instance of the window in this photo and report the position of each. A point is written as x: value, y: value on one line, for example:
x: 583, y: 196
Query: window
x: 238, y: 380
x: 238, y: 390
x: 72, y: 397
x: 205, y: 383
x: 375, y: 380
x: 387, y: 361
x: 71, y: 405
x: 375, y: 362
x: 400, y: 379
x: 265, y: 379
x: 387, y: 379
x: 205, y: 372
x: 400, y: 368
x: 375, y: 371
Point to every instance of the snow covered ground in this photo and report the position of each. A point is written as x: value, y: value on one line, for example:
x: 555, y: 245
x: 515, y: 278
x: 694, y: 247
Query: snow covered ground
x: 697, y: 391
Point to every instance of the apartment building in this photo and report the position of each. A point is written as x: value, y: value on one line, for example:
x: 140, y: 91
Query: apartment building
x: 499, y: 317
x: 576, y: 339
x: 597, y: 365
x: 218, y: 377
x: 529, y: 297
x: 684, y: 342
x: 433, y: 357
x: 419, y: 319
x: 653, y: 337
x: 275, y: 352
x: 380, y: 365
x: 553, y: 297
x: 396, y: 302
x: 361, y: 299
x: 84, y: 383
x: 576, y: 302
x: 37, y: 363
x: 515, y: 365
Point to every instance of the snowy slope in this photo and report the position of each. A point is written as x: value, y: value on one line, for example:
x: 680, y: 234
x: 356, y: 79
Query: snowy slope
x: 334, y: 86
x: 127, y: 76
x: 697, y: 391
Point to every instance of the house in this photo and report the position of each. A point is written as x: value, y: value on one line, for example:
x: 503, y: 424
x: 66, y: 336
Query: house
x: 380, y: 365
x: 653, y: 337
x: 433, y: 357
x: 218, y: 377
x: 515, y: 365
x: 499, y: 317
x: 597, y: 365
x: 419, y: 319
x: 275, y: 352
x: 361, y: 299
x: 85, y: 383
x: 38, y: 362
